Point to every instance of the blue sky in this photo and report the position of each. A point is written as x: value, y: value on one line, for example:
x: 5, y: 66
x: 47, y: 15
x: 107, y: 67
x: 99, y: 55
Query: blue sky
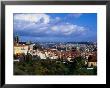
x: 60, y: 27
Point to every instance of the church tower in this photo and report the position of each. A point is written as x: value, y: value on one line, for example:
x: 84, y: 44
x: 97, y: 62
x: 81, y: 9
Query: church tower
x: 16, y: 40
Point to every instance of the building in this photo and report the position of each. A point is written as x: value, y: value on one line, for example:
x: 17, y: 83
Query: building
x: 22, y: 47
x: 42, y: 55
x: 18, y: 49
x: 16, y: 39
x: 92, y: 61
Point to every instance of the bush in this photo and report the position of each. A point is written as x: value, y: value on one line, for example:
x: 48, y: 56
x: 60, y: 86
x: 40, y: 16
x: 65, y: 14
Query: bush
x: 52, y: 67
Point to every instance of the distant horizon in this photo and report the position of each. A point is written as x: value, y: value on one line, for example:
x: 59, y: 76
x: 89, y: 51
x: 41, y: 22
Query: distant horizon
x: 52, y: 41
x: 56, y: 27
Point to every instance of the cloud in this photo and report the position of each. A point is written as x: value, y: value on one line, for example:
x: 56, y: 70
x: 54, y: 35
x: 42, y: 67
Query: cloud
x: 42, y: 25
x: 68, y: 29
x: 75, y: 15
x: 57, y: 18
x: 65, y: 29
x: 43, y: 18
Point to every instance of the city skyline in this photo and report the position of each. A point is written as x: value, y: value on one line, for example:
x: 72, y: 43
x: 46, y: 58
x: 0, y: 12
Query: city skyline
x: 58, y: 27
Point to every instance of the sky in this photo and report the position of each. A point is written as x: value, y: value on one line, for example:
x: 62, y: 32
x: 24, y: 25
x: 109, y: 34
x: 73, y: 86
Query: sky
x: 55, y: 27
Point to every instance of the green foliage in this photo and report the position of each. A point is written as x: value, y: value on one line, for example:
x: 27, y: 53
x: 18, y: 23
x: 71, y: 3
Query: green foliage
x: 95, y: 70
x: 52, y: 67
x: 84, y: 71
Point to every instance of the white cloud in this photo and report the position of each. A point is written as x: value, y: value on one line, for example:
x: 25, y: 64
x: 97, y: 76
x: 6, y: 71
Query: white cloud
x: 32, y: 17
x: 57, y: 18
x: 43, y: 24
x: 76, y: 15
x: 68, y: 29
x: 55, y: 28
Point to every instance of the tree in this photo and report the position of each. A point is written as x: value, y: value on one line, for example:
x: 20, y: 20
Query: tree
x: 28, y: 57
x: 95, y: 70
x: 79, y: 62
x: 52, y: 67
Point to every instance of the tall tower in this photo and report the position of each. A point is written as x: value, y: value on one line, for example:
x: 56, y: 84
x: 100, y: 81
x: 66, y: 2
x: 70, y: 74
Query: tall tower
x: 16, y: 39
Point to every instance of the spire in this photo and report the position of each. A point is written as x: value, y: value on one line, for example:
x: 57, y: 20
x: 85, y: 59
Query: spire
x: 16, y: 38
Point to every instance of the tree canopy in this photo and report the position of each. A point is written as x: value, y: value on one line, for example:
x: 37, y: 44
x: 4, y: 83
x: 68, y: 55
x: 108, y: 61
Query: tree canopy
x: 52, y: 67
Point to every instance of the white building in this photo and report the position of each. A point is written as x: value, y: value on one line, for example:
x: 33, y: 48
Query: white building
x: 21, y: 49
x: 54, y: 57
x: 41, y: 55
